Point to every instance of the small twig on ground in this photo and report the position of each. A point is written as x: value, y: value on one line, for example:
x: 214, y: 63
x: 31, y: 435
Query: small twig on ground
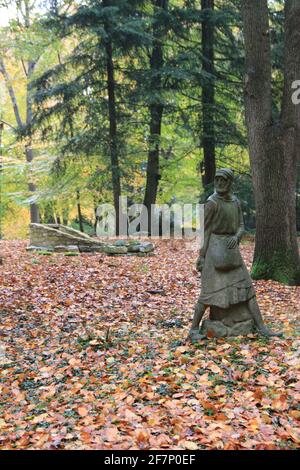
x: 107, y: 336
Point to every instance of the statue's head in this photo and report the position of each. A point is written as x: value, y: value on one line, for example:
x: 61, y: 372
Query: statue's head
x: 223, y: 180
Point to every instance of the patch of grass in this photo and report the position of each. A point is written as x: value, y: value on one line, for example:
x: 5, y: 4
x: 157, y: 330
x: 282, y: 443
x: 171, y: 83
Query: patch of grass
x: 71, y: 253
x: 235, y: 356
x: 263, y: 340
x: 144, y: 268
x: 209, y: 412
x: 45, y: 253
x: 84, y: 342
x: 199, y: 345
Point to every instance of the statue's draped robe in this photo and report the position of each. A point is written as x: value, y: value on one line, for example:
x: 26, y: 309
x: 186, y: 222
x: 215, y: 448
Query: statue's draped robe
x: 223, y: 218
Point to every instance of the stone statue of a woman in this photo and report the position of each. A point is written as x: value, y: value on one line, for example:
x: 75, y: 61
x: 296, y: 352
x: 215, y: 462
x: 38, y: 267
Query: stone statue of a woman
x: 226, y: 284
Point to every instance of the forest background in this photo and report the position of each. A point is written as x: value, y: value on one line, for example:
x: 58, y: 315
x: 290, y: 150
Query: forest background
x: 142, y: 99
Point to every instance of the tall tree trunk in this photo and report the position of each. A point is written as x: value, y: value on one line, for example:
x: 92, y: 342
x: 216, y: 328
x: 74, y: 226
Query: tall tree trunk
x: 113, y: 142
x: 47, y: 215
x: 34, y: 210
x: 156, y: 109
x: 273, y: 146
x: 208, y: 92
x: 65, y: 215
x: 80, y: 221
x: 11, y: 93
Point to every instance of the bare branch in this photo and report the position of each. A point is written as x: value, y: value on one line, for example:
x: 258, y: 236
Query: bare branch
x: 24, y: 67
x: 8, y: 124
x: 11, y: 93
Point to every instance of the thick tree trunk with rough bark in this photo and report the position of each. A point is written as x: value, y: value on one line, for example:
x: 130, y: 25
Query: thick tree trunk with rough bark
x: 153, y: 176
x: 274, y: 145
x: 156, y: 114
x: 208, y: 92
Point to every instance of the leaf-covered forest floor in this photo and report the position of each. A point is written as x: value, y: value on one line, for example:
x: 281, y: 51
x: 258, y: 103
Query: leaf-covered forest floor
x: 95, y: 356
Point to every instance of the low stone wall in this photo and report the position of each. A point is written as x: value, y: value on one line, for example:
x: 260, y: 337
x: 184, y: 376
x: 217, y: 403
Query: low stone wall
x: 122, y: 247
x: 69, y: 231
x: 59, y: 238
x: 50, y: 236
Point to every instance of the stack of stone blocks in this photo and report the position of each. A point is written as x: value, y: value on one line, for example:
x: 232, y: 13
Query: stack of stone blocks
x: 59, y: 238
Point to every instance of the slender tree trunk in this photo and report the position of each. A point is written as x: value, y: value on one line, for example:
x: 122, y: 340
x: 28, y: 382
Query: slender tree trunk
x: 25, y: 10
x: 95, y: 204
x: 274, y: 146
x: 47, y: 215
x: 208, y: 92
x: 65, y: 215
x: 153, y: 175
x: 79, y: 211
x: 34, y: 210
x: 156, y: 109
x: 115, y: 168
x: 11, y: 93
x: 113, y: 137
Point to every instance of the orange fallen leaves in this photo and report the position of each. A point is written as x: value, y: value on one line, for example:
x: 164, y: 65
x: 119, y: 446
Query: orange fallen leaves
x: 64, y: 387
x: 189, y: 445
x: 280, y: 403
x: 111, y: 434
x: 82, y: 411
x: 131, y: 416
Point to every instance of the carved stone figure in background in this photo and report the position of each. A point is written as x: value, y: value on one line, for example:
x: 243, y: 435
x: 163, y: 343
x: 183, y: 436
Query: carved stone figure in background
x: 226, y: 284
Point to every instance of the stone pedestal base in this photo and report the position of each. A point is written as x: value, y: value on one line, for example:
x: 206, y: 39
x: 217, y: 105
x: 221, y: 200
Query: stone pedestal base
x: 233, y: 321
